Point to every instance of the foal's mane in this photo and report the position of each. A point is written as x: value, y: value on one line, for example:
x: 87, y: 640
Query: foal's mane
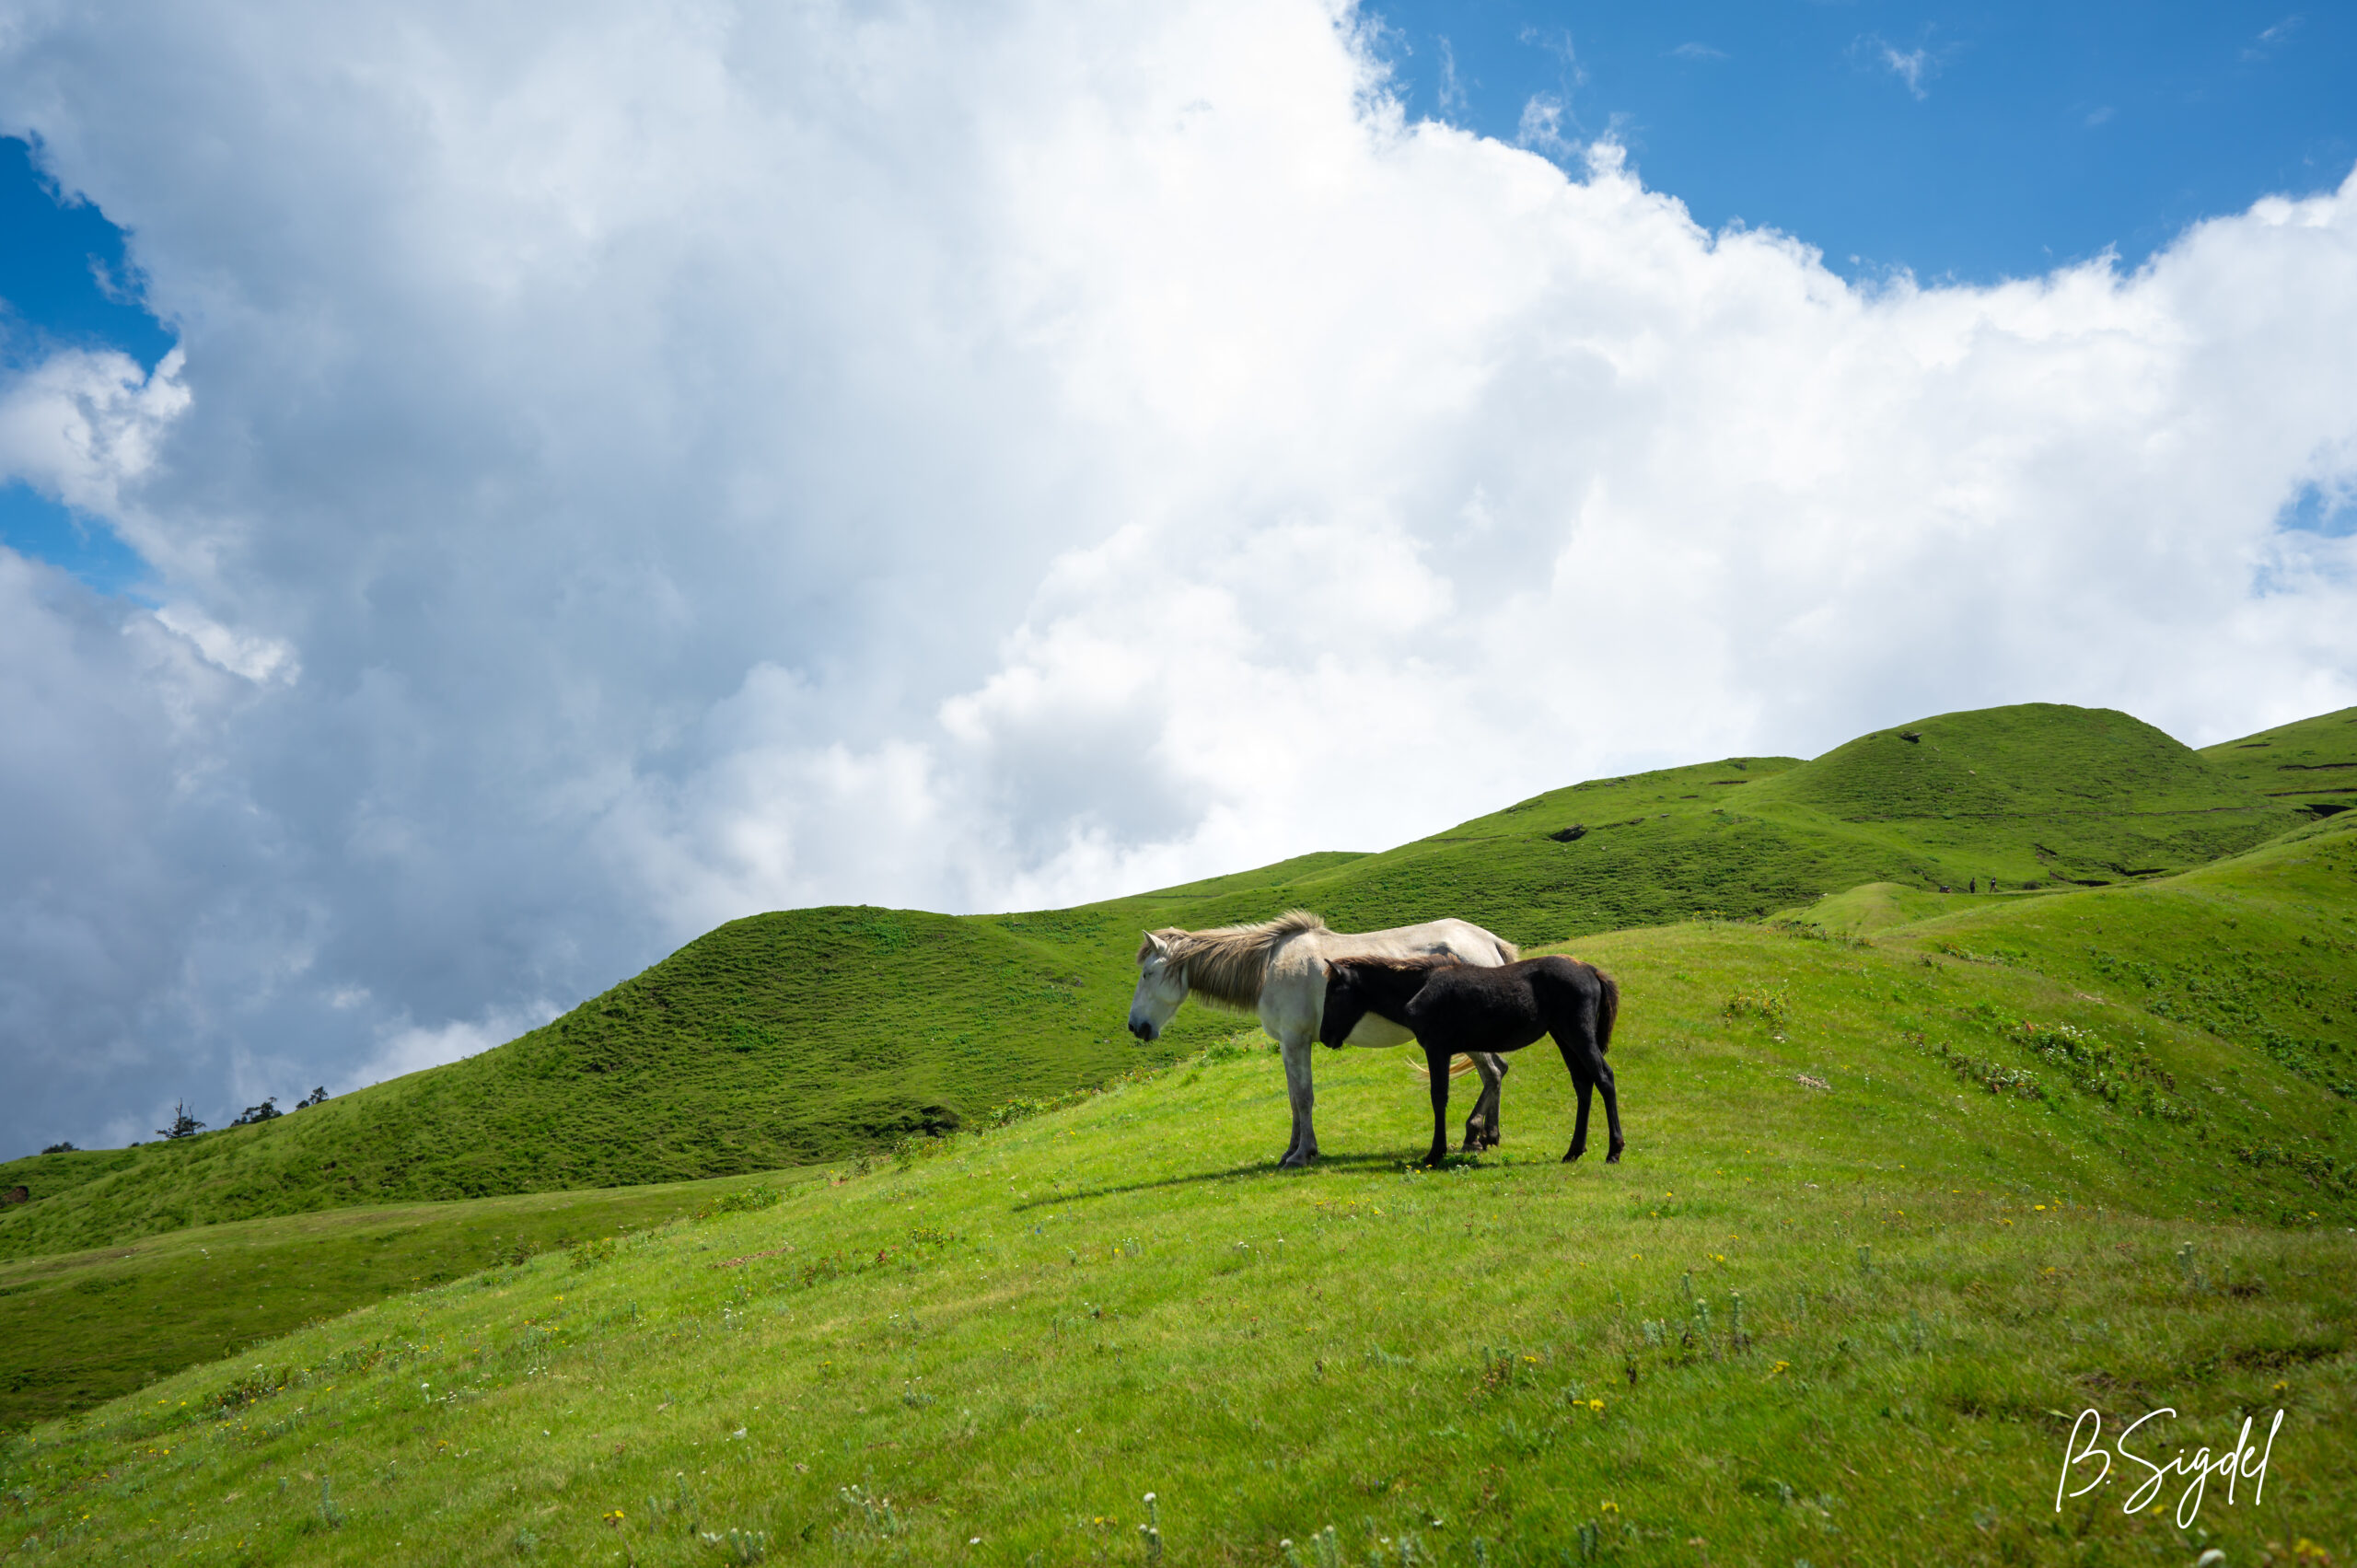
x: 1226, y: 965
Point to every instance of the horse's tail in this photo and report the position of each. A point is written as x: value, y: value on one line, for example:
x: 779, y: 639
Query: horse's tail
x: 1608, y: 1008
x: 1508, y: 952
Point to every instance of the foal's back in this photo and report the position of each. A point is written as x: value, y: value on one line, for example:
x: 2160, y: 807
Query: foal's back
x: 1507, y: 1008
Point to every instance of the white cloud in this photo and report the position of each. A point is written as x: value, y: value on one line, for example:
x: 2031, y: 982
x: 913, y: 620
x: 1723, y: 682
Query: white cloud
x: 2272, y: 39
x: 1541, y: 127
x: 257, y: 658
x: 983, y: 457
x: 83, y: 423
x: 1450, y: 94
x: 1910, y: 66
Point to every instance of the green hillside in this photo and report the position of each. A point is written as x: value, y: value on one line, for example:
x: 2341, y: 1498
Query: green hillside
x: 85, y: 1328
x: 775, y: 1040
x: 2240, y: 978
x: 809, y: 1034
x: 2038, y: 794
x: 2311, y: 764
x: 1894, y: 1210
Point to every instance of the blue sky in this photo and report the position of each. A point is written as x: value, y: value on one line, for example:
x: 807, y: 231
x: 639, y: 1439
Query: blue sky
x: 1973, y: 142
x: 64, y: 280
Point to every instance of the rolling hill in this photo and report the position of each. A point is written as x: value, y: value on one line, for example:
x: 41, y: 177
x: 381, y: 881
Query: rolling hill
x: 811, y: 1034
x: 1896, y: 1207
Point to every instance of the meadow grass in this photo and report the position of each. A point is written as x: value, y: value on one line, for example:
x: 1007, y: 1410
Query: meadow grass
x: 80, y: 1328
x: 1841, y: 1303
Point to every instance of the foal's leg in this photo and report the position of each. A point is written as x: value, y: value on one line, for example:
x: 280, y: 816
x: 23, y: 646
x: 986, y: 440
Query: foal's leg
x: 1299, y: 1054
x: 1481, y: 1129
x: 1437, y: 1060
x: 1611, y: 1108
x: 1580, y: 1080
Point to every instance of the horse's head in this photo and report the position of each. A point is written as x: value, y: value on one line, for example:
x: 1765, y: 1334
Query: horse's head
x: 1162, y: 985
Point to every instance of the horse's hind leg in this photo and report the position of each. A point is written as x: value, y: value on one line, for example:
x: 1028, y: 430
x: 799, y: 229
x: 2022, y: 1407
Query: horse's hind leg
x: 1437, y: 1060
x: 1481, y: 1129
x: 1298, y: 1059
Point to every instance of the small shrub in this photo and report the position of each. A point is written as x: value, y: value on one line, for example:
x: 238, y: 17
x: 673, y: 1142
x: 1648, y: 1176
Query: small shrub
x: 1766, y: 1004
x: 259, y: 1384
x: 2322, y: 1171
x: 589, y: 1254
x: 744, y: 1201
x: 1997, y: 1080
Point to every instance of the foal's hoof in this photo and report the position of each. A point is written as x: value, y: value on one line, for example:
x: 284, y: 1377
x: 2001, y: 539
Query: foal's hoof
x: 1614, y: 1157
x: 1294, y: 1162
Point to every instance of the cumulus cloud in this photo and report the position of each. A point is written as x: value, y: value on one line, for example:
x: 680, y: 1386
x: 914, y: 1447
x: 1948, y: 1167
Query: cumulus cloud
x: 82, y: 424
x: 628, y: 471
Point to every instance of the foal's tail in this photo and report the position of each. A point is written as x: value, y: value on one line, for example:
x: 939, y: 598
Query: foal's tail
x: 1607, y: 1009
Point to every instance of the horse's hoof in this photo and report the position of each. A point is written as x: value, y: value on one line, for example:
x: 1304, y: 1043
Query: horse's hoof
x: 1613, y: 1157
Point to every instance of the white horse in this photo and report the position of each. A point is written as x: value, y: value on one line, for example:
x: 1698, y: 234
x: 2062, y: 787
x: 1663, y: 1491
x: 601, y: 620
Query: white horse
x: 1277, y: 969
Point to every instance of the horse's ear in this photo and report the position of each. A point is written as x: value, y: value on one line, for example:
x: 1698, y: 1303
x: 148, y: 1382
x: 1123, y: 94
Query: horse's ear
x: 1153, y: 944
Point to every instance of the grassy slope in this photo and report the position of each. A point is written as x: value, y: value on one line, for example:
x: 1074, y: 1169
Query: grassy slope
x: 1017, y: 1338
x: 778, y: 1039
x: 808, y: 1034
x: 78, y: 1330
x: 2310, y: 763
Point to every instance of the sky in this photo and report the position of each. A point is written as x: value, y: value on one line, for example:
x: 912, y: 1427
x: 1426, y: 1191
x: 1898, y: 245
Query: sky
x: 487, y: 494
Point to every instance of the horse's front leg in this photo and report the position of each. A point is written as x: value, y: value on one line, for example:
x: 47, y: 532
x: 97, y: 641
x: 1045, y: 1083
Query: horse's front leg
x: 1437, y: 1060
x: 1482, y: 1129
x: 1299, y: 1054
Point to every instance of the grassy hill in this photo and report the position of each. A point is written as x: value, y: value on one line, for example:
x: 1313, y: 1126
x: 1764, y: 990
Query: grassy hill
x: 2311, y: 764
x: 807, y: 1035
x: 775, y: 1040
x: 1896, y: 1207
x: 81, y: 1328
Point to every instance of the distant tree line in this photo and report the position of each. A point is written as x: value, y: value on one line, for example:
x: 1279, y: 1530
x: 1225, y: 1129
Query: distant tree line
x: 186, y: 1126
x: 183, y: 1125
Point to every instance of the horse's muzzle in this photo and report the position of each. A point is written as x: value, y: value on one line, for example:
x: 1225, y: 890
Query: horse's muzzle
x: 1143, y: 1029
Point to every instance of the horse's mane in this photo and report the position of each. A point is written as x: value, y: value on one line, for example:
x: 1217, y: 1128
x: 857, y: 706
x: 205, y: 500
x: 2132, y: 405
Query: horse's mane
x: 1416, y: 963
x: 1226, y: 965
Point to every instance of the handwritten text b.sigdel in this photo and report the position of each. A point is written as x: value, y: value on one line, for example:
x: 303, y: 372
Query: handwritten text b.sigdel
x: 2240, y: 1463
